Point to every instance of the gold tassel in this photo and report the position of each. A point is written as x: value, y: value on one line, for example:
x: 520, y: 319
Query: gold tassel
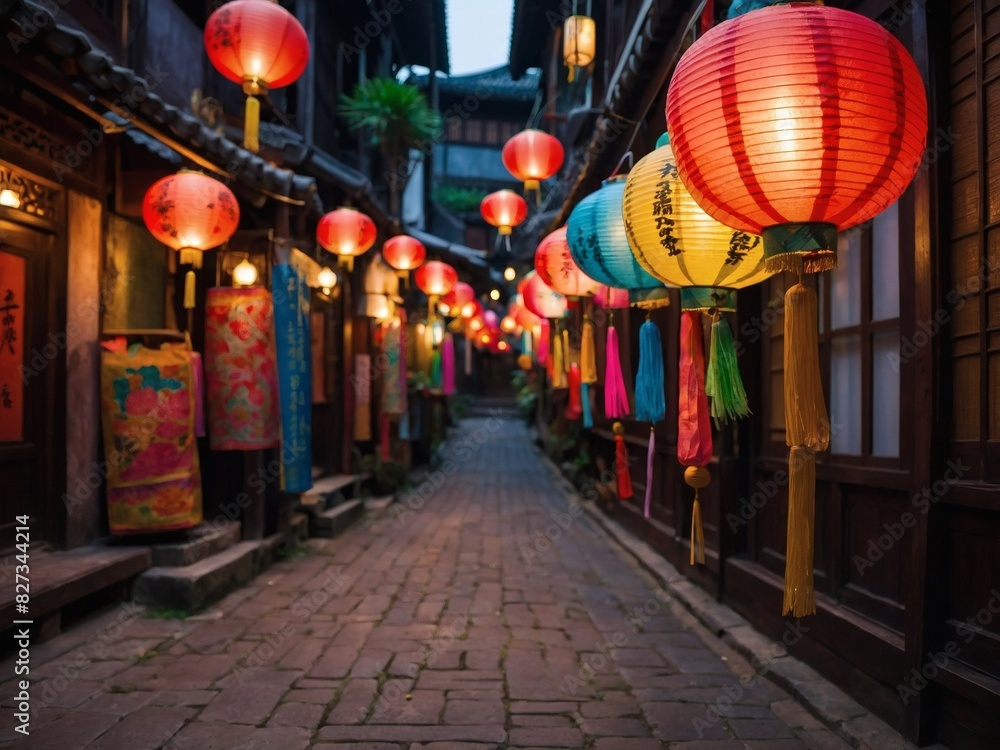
x: 799, y: 596
x: 251, y: 125
x: 806, y: 420
x: 697, y: 533
x: 566, y: 353
x: 588, y: 356
x: 558, y: 373
x: 572, y: 74
x: 807, y: 429
x: 190, y: 280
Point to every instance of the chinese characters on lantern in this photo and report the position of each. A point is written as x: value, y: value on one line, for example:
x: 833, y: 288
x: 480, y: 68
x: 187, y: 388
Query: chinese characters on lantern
x: 663, y: 209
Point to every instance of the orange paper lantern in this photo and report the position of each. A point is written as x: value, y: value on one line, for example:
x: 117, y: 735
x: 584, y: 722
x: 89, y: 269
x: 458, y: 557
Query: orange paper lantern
x: 404, y: 253
x: 435, y: 278
x: 532, y: 156
x: 346, y: 233
x: 504, y: 210
x: 260, y: 45
x: 799, y: 139
x: 556, y: 267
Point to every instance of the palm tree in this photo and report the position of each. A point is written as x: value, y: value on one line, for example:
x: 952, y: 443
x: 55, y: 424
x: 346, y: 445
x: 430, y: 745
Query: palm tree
x: 399, y: 119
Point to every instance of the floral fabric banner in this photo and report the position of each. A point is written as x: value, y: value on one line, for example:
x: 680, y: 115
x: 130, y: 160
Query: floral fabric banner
x: 240, y: 369
x: 394, y: 374
x: 148, y: 410
x: 291, y: 321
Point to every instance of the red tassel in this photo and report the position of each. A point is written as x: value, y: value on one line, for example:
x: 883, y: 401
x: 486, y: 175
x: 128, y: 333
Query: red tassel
x: 694, y: 427
x: 621, y: 463
x: 575, y: 407
x: 542, y: 350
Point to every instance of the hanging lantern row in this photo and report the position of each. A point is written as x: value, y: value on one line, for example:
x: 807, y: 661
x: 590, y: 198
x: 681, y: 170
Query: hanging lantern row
x: 347, y: 234
x: 404, y: 253
x: 259, y: 45
x: 532, y: 156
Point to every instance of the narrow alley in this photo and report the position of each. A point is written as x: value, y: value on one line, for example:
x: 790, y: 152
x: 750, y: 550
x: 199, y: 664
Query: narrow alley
x: 483, y: 610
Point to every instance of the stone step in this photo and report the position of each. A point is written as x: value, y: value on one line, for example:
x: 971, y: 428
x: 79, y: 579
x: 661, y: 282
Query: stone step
x: 194, y: 587
x: 336, y: 520
x: 331, y: 490
x: 202, y: 542
x: 65, y: 585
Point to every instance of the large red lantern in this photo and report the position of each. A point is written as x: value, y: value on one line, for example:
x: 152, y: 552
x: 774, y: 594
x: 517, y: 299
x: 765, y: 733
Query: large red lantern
x: 541, y: 299
x: 504, y: 210
x: 347, y: 234
x: 404, y: 253
x: 190, y: 212
x: 435, y: 278
x: 532, y: 156
x: 259, y: 45
x: 796, y: 140
x: 559, y: 271
x: 459, y: 301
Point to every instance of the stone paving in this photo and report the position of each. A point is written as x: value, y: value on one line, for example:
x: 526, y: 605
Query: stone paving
x: 483, y: 611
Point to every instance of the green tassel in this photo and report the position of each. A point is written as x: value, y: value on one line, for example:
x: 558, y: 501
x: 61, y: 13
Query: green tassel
x: 436, y: 369
x: 722, y: 379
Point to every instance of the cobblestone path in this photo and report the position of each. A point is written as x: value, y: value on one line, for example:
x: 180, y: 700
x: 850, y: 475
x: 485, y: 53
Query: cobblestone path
x: 442, y: 624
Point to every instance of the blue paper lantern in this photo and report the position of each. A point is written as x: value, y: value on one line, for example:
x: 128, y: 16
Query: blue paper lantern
x: 598, y: 244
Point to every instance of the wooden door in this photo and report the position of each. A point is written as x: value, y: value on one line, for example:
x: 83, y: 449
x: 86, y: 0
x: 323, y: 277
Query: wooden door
x: 32, y: 356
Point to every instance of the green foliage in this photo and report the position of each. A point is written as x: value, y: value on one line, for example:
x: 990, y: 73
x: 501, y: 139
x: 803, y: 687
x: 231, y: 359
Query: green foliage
x: 459, y: 199
x: 527, y: 399
x: 459, y: 404
x: 390, y: 476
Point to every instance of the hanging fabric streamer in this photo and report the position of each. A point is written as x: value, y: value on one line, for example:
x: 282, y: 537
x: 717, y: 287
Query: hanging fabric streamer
x: 436, y: 370
x: 615, y: 395
x: 621, y: 463
x: 468, y: 356
x: 650, y: 399
x: 567, y: 358
x: 448, y: 364
x: 557, y: 371
x: 694, y: 428
x: 585, y: 405
x: 723, y: 383
x: 543, y: 343
x: 807, y: 430
x: 574, y: 408
x: 650, y: 453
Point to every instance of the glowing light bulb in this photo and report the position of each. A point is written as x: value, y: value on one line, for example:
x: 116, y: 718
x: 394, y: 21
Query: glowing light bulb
x: 509, y: 273
x: 245, y: 273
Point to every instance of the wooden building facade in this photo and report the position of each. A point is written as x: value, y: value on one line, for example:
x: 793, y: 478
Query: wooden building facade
x: 908, y: 500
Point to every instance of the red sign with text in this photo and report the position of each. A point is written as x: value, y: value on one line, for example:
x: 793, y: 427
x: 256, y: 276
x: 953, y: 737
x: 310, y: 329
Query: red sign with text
x: 12, y: 270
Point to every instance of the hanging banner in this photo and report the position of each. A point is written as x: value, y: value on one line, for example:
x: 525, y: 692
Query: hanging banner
x: 291, y: 323
x: 12, y: 272
x: 393, y: 385
x: 362, y: 397
x: 240, y: 369
x: 148, y: 416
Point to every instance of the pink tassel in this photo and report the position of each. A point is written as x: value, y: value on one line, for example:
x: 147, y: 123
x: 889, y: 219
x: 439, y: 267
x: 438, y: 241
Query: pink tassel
x: 649, y: 472
x: 574, y: 409
x: 448, y: 365
x: 615, y: 396
x: 543, y: 344
x: 384, y: 434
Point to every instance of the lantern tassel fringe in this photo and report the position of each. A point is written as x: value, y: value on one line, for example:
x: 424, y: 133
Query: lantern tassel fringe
x: 588, y: 410
x: 615, y: 395
x: 588, y: 356
x: 799, y: 264
x: 621, y: 463
x: 650, y: 399
x: 251, y: 125
x: 722, y: 379
x: 807, y: 429
x: 557, y: 373
x: 650, y: 454
x: 190, y: 281
x: 800, y: 599
x: 574, y: 409
x: 697, y: 533
x: 566, y: 355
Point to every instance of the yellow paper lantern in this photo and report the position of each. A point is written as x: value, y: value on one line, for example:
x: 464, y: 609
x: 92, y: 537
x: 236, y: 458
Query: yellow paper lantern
x: 579, y: 42
x: 681, y: 245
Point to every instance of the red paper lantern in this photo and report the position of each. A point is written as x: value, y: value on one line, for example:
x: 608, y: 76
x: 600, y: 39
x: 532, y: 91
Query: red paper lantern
x: 559, y: 271
x: 435, y: 278
x: 346, y: 233
x: 522, y: 315
x: 404, y: 253
x: 611, y: 298
x: 471, y: 309
x: 260, y: 45
x: 459, y: 301
x: 190, y: 211
x: 532, y: 156
x: 541, y: 299
x: 822, y: 130
x: 504, y: 210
